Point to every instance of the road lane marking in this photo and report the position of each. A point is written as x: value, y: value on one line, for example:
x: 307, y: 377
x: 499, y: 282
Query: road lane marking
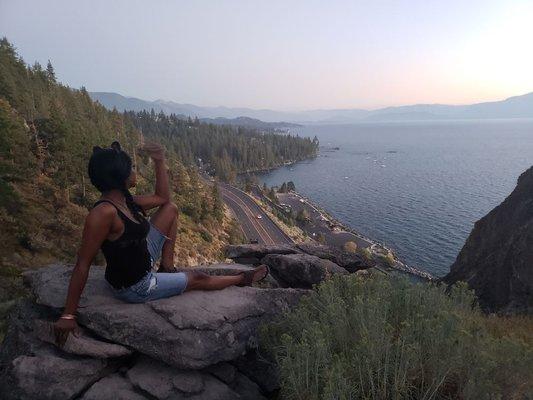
x: 252, y: 222
x: 250, y: 212
x: 246, y: 208
x: 245, y: 223
x: 276, y: 228
x: 247, y: 218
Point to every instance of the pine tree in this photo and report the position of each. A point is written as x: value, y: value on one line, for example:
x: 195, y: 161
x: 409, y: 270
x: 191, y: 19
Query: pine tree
x: 16, y: 163
x: 291, y: 187
x: 50, y: 74
x: 272, y: 195
x: 218, y: 205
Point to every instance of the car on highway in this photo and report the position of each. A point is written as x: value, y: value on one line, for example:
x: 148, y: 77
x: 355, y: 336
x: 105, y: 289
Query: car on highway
x: 286, y: 207
x: 259, y: 216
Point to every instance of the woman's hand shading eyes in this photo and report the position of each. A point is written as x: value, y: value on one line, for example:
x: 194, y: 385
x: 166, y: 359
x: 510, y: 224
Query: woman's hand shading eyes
x: 154, y: 150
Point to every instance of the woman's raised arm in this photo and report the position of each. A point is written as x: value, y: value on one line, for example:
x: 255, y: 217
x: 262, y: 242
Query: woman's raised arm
x: 162, y: 188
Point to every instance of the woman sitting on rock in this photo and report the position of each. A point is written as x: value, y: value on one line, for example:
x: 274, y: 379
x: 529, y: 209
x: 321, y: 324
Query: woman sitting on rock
x: 131, y: 243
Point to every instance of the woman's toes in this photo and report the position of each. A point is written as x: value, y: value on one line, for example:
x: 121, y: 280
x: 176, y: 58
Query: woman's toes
x: 260, y: 273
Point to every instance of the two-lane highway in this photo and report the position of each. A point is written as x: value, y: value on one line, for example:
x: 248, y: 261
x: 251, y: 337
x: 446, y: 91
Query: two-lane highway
x: 255, y: 223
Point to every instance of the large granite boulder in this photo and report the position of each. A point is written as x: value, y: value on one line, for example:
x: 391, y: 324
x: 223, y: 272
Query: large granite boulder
x: 191, y: 331
x: 150, y: 379
x: 300, y: 270
x: 352, y: 262
x: 82, y: 343
x: 497, y: 258
x: 253, y: 253
x: 181, y: 347
x: 164, y: 382
x: 114, y: 387
x: 49, y: 375
x: 34, y: 369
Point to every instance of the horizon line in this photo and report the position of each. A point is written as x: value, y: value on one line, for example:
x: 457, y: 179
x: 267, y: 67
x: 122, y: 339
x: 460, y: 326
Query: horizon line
x: 315, y: 109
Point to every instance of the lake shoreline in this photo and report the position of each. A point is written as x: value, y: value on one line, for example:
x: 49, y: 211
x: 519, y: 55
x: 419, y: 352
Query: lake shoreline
x: 376, y: 246
x: 419, y: 188
x: 334, y: 229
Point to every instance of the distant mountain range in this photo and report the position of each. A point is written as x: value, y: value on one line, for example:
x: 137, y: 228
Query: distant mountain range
x: 513, y: 107
x: 250, y: 123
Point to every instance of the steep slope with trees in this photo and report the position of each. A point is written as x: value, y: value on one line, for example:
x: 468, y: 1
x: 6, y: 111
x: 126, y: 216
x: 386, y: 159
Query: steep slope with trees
x: 47, y: 131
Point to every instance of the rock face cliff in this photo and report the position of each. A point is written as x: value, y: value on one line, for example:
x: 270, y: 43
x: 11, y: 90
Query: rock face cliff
x: 200, y: 345
x: 497, y: 258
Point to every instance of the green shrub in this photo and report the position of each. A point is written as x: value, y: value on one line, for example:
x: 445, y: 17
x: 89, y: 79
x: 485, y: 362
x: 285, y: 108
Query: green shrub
x: 387, y: 259
x: 8, y: 197
x: 385, y: 338
x: 206, y: 236
x: 235, y: 233
x: 366, y: 253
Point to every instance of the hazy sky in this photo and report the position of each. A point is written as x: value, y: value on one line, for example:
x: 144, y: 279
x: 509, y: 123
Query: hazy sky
x: 287, y: 54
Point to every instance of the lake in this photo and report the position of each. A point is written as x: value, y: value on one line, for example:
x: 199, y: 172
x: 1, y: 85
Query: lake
x: 416, y: 187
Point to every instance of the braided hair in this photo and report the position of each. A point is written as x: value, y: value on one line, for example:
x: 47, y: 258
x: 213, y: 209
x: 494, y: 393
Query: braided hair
x: 109, y: 168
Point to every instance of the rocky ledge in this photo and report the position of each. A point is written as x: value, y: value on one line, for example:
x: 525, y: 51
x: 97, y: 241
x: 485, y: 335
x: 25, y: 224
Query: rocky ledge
x: 317, y: 257
x: 200, y: 345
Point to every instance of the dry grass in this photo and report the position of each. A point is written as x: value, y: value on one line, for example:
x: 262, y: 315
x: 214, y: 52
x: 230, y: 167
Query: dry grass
x: 350, y: 247
x: 517, y: 327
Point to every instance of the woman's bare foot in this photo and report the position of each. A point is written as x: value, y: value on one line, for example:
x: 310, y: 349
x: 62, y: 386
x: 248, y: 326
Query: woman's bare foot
x: 254, y: 275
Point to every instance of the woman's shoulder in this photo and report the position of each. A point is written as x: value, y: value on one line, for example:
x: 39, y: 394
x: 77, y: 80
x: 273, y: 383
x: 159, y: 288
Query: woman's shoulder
x: 100, y: 218
x: 103, y: 209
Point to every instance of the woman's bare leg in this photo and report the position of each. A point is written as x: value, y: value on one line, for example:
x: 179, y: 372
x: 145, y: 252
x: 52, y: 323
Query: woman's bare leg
x: 165, y: 219
x: 167, y: 252
x: 202, y: 281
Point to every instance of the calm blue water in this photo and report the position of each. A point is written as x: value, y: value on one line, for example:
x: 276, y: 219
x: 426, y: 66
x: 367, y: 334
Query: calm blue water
x: 417, y: 187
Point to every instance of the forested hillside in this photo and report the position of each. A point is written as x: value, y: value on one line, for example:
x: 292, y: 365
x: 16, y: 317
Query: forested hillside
x: 47, y: 131
x: 227, y: 150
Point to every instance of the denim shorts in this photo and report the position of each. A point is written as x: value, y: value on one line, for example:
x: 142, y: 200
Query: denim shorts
x: 154, y: 285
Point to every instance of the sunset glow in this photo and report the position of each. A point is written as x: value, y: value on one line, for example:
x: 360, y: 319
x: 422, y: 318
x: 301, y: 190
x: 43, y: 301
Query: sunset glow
x: 284, y: 55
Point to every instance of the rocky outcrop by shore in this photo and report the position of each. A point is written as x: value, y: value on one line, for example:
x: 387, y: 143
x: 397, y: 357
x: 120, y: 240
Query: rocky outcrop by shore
x: 255, y: 254
x: 200, y: 345
x: 300, y: 270
x: 497, y: 258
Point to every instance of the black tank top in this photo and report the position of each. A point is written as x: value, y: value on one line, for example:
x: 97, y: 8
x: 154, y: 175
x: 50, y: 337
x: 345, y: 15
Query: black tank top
x: 127, y: 257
